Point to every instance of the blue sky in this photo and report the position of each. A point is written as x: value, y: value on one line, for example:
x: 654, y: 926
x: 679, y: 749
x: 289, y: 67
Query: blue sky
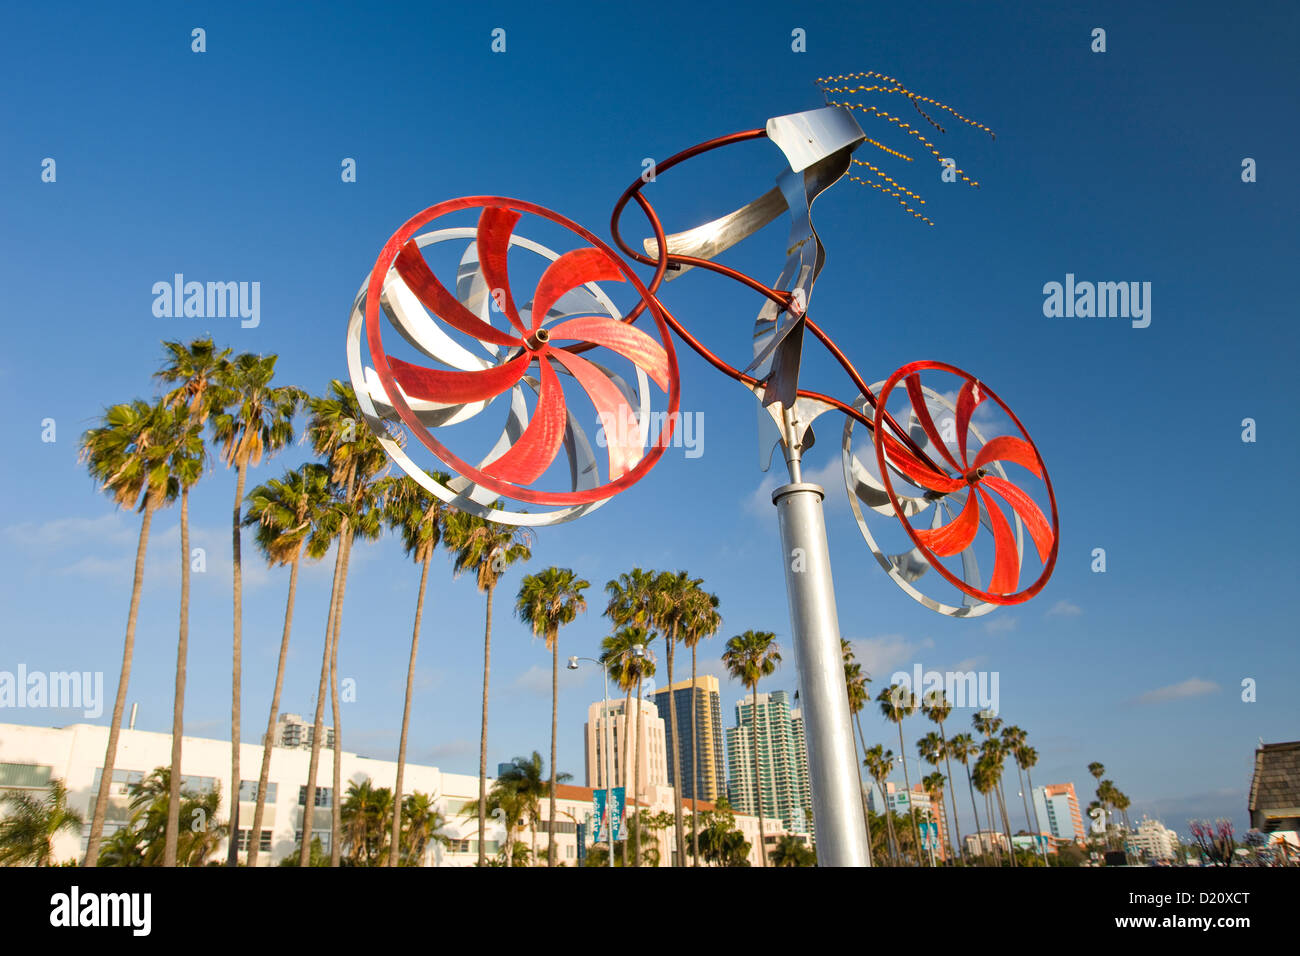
x: 1116, y: 166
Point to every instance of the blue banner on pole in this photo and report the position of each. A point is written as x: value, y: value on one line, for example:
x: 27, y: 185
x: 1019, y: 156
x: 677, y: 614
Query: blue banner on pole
x: 616, y: 813
x: 598, y: 815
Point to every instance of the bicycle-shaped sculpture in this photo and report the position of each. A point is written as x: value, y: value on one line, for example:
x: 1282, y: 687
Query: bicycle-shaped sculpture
x: 945, y: 458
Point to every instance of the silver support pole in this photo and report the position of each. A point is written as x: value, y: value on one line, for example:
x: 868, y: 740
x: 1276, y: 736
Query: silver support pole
x: 832, y: 758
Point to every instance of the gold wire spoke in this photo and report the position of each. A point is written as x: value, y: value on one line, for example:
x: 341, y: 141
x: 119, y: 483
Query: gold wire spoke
x: 898, y: 87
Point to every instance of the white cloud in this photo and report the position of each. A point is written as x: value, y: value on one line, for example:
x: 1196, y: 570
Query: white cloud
x: 1064, y: 608
x: 1192, y: 687
x: 535, y: 680
x: 1000, y: 625
x: 883, y: 655
x: 111, y: 528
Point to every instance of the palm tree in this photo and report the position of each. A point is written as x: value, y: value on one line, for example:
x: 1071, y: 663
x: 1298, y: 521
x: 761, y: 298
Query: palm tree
x: 422, y: 823
x: 547, y: 602
x: 365, y: 816
x: 285, y: 512
x: 143, y: 841
x: 418, y: 517
x: 486, y: 548
x: 791, y: 851
x: 989, y: 723
x: 750, y: 657
x: 994, y: 756
x: 702, y: 621
x: 1027, y: 757
x: 526, y: 776
x: 673, y: 604
x: 962, y: 747
x: 934, y: 784
x: 632, y: 597
x: 985, y: 776
x: 127, y: 456
x: 856, y: 681
x: 337, y: 432
x: 27, y: 832
x: 897, y: 703
x: 629, y: 659
x: 187, y: 460
x: 257, y: 421
x: 880, y: 764
x: 936, y: 706
x: 197, y: 371
x: 1013, y: 739
x: 930, y: 748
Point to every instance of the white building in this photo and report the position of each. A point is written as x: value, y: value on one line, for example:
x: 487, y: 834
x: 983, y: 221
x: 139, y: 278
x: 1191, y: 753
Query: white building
x: 295, y: 733
x: 32, y: 756
x: 649, y: 750
x: 1154, y: 839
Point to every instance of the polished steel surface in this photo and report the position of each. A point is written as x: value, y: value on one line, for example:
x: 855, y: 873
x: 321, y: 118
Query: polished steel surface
x: 823, y: 695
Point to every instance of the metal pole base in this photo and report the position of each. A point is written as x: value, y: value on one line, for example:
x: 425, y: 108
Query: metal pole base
x: 823, y: 696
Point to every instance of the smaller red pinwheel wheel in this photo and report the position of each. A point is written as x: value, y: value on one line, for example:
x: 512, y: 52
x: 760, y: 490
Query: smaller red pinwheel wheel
x: 974, y: 490
x: 537, y: 353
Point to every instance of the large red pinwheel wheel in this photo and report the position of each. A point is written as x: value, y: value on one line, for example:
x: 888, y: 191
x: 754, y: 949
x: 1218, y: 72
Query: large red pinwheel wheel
x: 466, y: 361
x: 970, y: 486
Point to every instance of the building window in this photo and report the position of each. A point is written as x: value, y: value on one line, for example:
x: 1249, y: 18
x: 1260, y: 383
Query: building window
x: 263, y: 845
x: 26, y: 775
x: 324, y: 796
x: 248, y: 791
x: 122, y: 779
x: 322, y: 835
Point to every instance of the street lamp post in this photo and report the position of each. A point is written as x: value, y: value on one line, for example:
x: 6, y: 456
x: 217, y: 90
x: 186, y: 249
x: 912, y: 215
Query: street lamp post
x: 638, y: 650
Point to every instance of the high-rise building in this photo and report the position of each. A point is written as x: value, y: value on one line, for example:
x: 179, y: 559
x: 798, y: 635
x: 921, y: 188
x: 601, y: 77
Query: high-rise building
x: 1058, y: 812
x: 782, y: 761
x: 297, y: 734
x: 707, y: 742
x: 902, y: 802
x: 648, y: 751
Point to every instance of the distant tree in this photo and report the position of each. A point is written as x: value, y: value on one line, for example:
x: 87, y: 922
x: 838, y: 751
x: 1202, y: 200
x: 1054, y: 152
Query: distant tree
x: 791, y: 851
x: 28, y: 830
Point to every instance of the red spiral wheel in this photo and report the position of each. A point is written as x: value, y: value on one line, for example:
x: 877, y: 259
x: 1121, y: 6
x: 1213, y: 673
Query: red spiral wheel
x: 531, y: 351
x: 971, y: 483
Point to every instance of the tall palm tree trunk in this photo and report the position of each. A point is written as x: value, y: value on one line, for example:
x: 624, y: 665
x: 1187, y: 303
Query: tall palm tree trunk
x: 336, y: 808
x: 237, y: 670
x: 974, y: 812
x: 862, y: 790
x: 1006, y: 819
x: 680, y: 836
x: 1024, y: 799
x: 482, y: 739
x: 635, y: 834
x: 995, y: 843
x: 119, y: 703
x: 626, y: 775
x: 895, y: 851
x: 947, y: 828
x: 911, y: 804
x: 695, y: 771
x: 1038, y: 826
x: 268, y: 739
x: 758, y: 786
x: 172, y: 832
x: 956, y: 817
x: 555, y: 703
x: 395, y: 841
x: 318, y: 725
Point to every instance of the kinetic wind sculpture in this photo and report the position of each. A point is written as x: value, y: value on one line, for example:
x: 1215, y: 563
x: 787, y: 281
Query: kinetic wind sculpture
x: 529, y: 325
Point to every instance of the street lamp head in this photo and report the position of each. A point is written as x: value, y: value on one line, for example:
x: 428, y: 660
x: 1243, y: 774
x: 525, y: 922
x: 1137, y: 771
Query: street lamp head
x: 573, y: 663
